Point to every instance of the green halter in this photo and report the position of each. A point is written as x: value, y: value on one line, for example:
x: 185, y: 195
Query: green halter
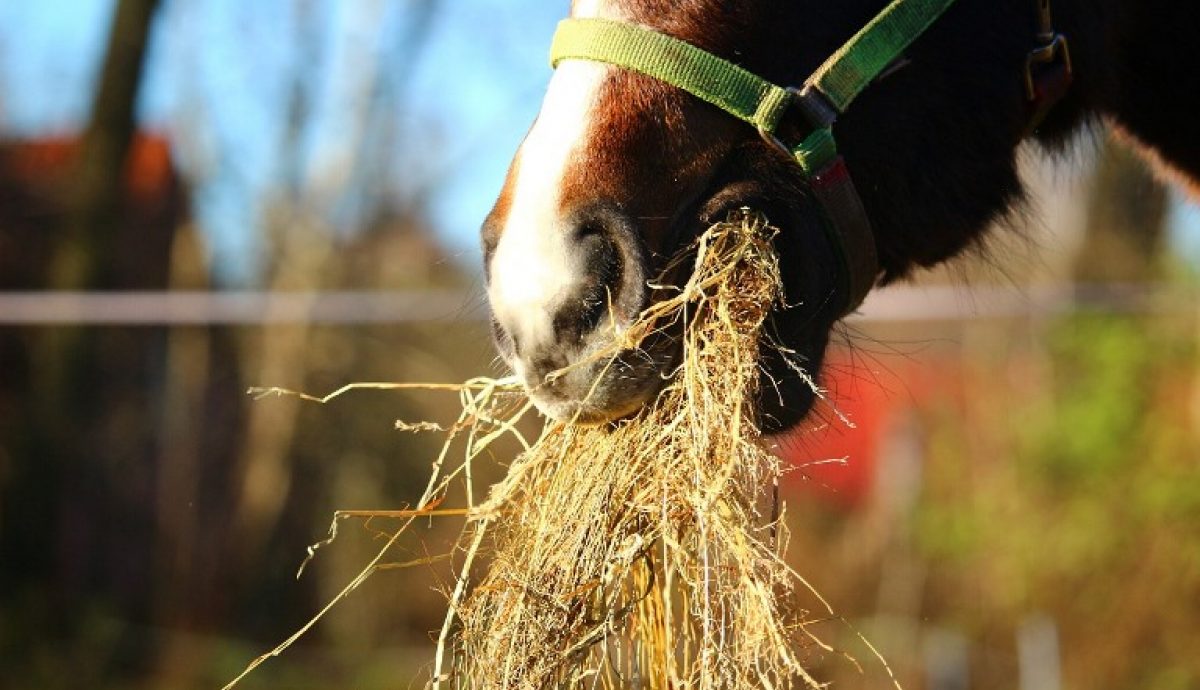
x: 825, y: 95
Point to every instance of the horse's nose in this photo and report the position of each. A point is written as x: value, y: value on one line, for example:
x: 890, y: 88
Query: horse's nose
x: 585, y: 302
x: 552, y: 289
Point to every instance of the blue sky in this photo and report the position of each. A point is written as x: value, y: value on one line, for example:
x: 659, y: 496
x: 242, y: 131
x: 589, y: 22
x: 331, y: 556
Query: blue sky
x: 220, y: 77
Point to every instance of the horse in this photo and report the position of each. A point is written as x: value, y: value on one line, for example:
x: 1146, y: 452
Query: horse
x: 621, y: 169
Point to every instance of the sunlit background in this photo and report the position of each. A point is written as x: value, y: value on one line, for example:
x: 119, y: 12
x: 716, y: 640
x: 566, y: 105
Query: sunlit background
x: 287, y: 193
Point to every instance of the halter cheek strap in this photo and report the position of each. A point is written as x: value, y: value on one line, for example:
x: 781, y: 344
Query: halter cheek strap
x: 824, y: 96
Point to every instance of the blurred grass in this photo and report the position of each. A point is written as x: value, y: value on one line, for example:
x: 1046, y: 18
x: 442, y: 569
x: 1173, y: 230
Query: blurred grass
x: 1058, y: 478
x: 1084, y: 500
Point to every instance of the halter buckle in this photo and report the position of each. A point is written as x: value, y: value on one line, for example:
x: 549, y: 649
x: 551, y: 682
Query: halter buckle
x: 1048, y: 77
x: 1056, y: 52
x: 813, y: 106
x: 774, y: 141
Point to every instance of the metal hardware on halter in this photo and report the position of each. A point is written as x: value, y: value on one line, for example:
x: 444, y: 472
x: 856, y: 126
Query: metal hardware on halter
x: 768, y: 135
x: 815, y: 108
x: 1057, y: 50
x: 828, y: 92
x: 1048, y: 68
x: 1045, y: 21
x: 846, y: 222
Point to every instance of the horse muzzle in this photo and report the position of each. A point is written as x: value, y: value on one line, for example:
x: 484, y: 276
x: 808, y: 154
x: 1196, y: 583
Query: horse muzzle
x: 561, y: 296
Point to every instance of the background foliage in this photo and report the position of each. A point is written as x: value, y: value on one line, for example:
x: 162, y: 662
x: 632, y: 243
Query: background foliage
x: 1020, y: 502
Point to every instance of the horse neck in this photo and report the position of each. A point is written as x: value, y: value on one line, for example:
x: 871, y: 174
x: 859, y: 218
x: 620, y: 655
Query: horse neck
x: 936, y: 179
x: 1136, y: 68
x: 1132, y: 69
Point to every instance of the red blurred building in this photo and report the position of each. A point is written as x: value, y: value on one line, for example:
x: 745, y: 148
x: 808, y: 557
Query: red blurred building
x: 36, y: 183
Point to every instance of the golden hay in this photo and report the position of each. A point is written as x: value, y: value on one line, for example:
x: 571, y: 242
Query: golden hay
x: 646, y: 554
x: 641, y: 555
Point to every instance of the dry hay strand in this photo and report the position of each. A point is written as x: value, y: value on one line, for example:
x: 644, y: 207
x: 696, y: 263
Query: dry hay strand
x: 643, y: 554
x: 649, y: 554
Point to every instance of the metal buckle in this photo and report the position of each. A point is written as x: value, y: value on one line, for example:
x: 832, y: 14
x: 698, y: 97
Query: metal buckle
x: 1055, y: 50
x: 815, y: 108
x: 774, y: 141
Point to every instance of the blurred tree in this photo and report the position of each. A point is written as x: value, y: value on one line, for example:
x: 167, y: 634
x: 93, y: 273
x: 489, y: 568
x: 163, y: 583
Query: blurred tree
x: 86, y: 248
x: 81, y: 476
x: 84, y: 254
x: 156, y: 514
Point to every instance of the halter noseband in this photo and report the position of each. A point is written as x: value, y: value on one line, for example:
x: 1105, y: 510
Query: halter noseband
x: 825, y: 95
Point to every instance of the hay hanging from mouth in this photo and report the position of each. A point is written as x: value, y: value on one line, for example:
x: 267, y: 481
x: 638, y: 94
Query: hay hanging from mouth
x: 649, y: 554
x: 644, y: 554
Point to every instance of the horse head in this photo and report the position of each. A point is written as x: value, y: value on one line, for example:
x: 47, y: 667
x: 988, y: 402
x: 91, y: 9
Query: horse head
x: 620, y: 171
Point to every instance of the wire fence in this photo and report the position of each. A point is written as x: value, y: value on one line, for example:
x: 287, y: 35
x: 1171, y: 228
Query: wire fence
x: 898, y: 304
x: 199, y: 308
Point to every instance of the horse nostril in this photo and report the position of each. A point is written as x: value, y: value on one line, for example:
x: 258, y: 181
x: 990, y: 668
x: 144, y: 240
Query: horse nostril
x: 581, y: 315
x: 589, y: 229
x: 555, y: 291
x: 600, y: 258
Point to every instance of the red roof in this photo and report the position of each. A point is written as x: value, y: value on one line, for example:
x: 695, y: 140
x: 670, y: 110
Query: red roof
x: 149, y: 171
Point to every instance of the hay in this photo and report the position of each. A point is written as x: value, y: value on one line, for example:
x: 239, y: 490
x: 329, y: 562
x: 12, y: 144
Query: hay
x: 646, y: 554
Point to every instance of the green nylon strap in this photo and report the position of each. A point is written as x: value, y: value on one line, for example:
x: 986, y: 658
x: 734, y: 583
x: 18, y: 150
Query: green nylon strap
x: 856, y: 64
x: 816, y: 151
x: 734, y: 89
x: 762, y: 104
x: 678, y: 63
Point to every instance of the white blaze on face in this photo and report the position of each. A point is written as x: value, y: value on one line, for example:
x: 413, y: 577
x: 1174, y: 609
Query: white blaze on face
x: 594, y: 8
x: 535, y: 265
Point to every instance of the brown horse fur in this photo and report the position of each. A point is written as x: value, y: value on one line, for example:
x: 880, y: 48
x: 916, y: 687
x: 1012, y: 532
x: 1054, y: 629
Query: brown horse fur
x: 932, y: 147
